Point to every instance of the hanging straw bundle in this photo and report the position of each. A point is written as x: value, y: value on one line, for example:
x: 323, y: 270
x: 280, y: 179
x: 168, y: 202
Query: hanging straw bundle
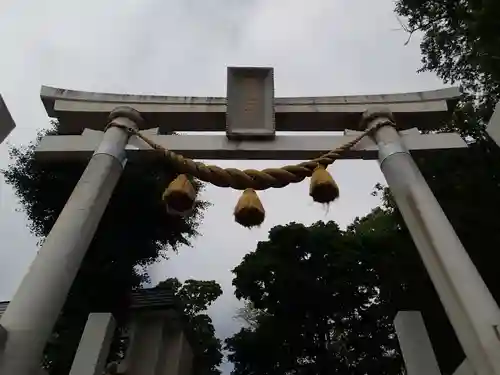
x: 249, y: 211
x: 180, y: 196
x: 323, y: 188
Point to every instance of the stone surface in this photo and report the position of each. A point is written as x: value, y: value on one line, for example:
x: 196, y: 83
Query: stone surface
x: 178, y: 357
x: 464, y: 369
x: 157, y: 345
x: 77, y: 110
x: 92, y: 352
x: 493, y: 127
x: 250, y: 103
x: 219, y: 147
x: 415, y: 344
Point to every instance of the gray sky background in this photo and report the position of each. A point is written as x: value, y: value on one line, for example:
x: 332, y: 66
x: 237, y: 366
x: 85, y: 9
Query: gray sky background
x: 182, y: 47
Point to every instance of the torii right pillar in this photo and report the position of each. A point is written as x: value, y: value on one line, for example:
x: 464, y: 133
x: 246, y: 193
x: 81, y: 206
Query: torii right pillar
x: 471, y: 308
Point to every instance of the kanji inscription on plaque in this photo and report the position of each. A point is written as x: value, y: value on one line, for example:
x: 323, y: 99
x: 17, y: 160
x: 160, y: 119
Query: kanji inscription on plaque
x: 250, y: 103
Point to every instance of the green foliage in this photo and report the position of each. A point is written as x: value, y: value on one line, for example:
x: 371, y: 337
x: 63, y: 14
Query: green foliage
x: 319, y: 296
x: 196, y: 297
x: 249, y: 315
x: 134, y: 231
x: 326, y: 299
x: 460, y: 44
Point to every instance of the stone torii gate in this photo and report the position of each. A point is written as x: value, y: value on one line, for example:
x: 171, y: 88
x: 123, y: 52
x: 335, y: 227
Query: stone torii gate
x: 92, y: 126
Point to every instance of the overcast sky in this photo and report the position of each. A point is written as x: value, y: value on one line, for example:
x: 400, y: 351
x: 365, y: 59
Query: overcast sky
x: 182, y: 47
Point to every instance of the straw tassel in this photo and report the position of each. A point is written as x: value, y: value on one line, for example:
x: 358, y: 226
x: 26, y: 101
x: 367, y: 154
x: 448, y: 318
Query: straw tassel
x: 249, y: 211
x: 180, y: 196
x: 323, y: 188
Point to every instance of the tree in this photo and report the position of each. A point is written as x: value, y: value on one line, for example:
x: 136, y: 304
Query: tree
x: 320, y: 304
x: 360, y: 278
x: 249, y: 315
x: 134, y: 231
x: 460, y: 44
x: 195, y: 297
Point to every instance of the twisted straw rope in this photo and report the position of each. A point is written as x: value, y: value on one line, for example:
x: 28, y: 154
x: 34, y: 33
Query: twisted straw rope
x: 252, y: 178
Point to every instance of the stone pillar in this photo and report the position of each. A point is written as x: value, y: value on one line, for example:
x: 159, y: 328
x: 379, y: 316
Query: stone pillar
x: 493, y: 128
x: 32, y: 313
x: 468, y: 303
x: 177, y: 356
x: 157, y: 346
x: 146, y: 342
x: 415, y: 344
x: 464, y: 369
x: 90, y: 358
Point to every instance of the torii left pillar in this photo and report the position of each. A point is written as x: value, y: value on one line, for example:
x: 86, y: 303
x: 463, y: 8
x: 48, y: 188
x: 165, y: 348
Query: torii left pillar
x: 33, y: 312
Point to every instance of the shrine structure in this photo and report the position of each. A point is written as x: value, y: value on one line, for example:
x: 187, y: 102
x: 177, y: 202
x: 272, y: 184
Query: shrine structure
x: 111, y: 130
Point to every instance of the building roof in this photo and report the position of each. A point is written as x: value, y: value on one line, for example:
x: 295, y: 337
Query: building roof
x: 3, y: 306
x: 152, y: 298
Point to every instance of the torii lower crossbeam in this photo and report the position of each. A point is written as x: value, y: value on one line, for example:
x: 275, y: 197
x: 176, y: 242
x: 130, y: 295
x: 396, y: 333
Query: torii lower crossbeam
x: 286, y: 147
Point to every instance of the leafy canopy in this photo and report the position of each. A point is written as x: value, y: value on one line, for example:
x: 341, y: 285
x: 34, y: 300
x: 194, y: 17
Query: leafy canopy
x: 318, y: 303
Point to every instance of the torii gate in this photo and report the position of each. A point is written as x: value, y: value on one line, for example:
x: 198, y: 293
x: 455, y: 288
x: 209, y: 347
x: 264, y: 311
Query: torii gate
x: 253, y: 116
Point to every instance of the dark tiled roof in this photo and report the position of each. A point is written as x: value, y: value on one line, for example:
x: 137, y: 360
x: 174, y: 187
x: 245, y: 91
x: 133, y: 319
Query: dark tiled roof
x: 3, y: 306
x: 153, y: 298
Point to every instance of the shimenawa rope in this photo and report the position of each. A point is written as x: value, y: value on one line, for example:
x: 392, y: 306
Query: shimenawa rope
x: 251, y: 178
